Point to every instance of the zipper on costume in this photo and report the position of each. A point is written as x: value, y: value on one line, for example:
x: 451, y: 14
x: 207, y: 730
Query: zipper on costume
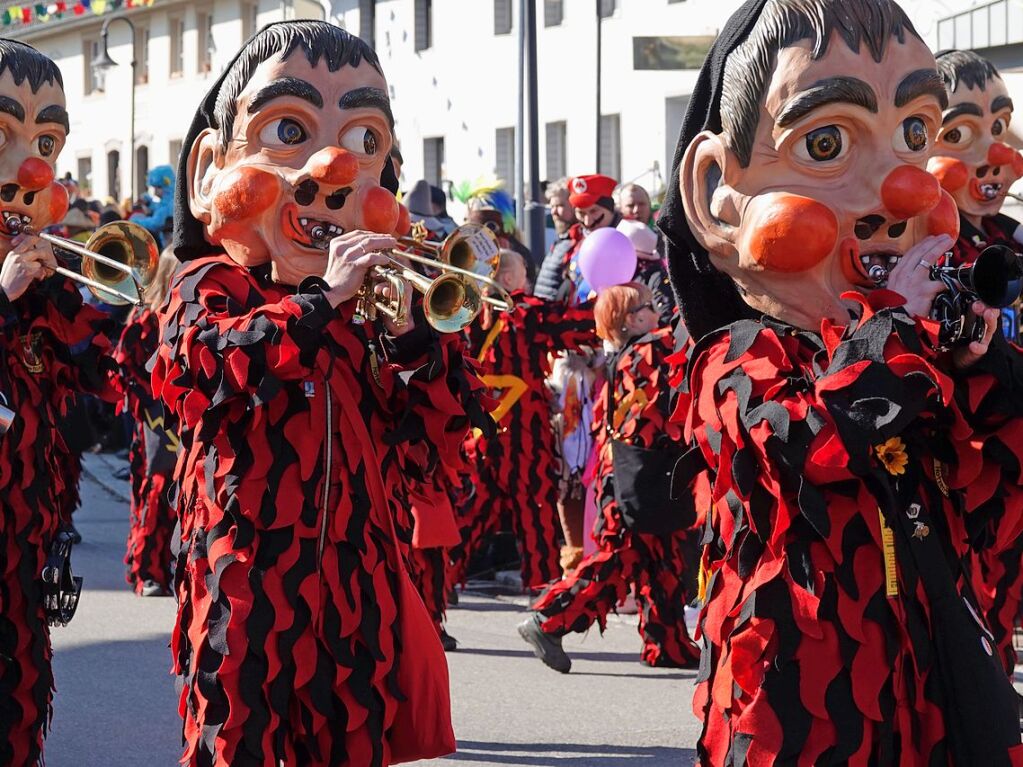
x: 326, y: 478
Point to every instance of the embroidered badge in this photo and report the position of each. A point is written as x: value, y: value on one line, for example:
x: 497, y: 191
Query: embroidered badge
x: 939, y: 477
x: 920, y: 530
x: 891, y: 576
x: 31, y: 347
x: 310, y: 389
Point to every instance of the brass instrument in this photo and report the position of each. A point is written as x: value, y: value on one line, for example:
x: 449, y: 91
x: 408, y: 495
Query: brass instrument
x: 119, y: 261
x: 467, y: 259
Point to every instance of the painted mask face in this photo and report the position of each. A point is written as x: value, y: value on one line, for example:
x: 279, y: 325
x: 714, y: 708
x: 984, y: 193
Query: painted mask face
x: 303, y: 166
x: 33, y: 130
x: 836, y: 182
x: 491, y: 219
x: 972, y: 160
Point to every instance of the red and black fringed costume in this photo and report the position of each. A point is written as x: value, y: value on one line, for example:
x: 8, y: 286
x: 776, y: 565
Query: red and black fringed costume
x: 152, y: 455
x: 53, y: 345
x: 998, y: 576
x: 848, y: 479
x: 515, y: 470
x: 300, y: 638
x: 626, y: 557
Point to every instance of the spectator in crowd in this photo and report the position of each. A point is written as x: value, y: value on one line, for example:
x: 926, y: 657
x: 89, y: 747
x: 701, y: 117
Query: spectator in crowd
x: 633, y: 202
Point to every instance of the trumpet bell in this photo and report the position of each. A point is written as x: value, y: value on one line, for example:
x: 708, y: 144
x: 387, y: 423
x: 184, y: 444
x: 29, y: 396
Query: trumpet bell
x: 451, y: 303
x: 474, y: 248
x: 129, y: 244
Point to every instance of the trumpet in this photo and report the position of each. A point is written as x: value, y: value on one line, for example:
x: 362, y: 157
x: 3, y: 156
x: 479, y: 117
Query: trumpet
x: 467, y: 260
x: 119, y: 261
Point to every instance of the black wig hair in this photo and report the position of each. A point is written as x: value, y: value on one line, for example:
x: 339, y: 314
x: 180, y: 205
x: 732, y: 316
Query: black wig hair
x: 727, y: 99
x: 965, y: 67
x: 24, y: 61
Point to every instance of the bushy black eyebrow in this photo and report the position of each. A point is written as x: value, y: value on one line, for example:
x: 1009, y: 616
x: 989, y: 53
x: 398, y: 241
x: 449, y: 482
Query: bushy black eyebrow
x: 1000, y: 103
x: 54, y: 114
x: 13, y: 108
x: 922, y: 82
x: 373, y: 98
x: 285, y: 86
x: 959, y: 110
x: 834, y: 90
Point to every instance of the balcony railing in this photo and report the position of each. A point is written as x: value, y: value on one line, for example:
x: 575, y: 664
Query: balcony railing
x: 983, y: 26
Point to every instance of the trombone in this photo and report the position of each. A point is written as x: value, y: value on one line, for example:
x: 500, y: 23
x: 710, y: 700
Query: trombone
x: 119, y: 257
x: 467, y: 259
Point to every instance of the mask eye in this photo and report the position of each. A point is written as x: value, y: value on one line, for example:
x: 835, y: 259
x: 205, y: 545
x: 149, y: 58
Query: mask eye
x: 824, y: 144
x: 912, y: 135
x: 282, y: 132
x: 361, y: 140
x: 958, y: 136
x: 1001, y: 125
x: 47, y: 144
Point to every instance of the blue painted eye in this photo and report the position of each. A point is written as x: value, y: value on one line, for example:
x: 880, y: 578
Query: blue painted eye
x: 283, y: 132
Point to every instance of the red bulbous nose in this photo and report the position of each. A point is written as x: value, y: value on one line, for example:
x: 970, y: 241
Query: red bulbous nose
x: 379, y: 210
x: 333, y: 166
x: 952, y: 174
x: 34, y: 174
x: 1000, y: 154
x: 909, y: 192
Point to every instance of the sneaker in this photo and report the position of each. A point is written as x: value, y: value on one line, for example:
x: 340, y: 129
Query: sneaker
x: 76, y: 537
x: 448, y: 642
x: 151, y: 588
x: 546, y: 647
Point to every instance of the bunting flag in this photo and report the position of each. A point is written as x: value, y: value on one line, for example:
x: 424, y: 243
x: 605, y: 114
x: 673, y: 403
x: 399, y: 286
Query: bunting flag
x: 41, y: 13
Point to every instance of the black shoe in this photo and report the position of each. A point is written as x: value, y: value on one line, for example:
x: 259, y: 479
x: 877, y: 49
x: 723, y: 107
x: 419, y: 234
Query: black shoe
x: 452, y: 598
x: 448, y: 642
x: 546, y: 647
x: 76, y: 537
x: 663, y: 661
x: 151, y: 588
x: 124, y: 472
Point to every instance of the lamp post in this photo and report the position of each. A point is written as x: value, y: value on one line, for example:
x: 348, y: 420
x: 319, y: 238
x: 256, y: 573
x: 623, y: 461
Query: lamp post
x: 103, y: 63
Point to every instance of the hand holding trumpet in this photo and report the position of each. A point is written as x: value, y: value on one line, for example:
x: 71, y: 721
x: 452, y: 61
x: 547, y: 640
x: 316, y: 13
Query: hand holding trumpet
x: 29, y: 259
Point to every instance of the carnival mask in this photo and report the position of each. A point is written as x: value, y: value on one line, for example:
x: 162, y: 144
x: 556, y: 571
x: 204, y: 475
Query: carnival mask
x: 972, y: 160
x: 302, y: 166
x: 33, y: 129
x: 835, y: 180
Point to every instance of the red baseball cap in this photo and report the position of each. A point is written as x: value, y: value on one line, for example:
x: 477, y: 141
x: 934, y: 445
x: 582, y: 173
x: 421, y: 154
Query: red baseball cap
x: 587, y: 191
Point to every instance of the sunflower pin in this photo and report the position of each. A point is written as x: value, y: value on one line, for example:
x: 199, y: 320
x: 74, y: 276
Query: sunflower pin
x: 893, y: 455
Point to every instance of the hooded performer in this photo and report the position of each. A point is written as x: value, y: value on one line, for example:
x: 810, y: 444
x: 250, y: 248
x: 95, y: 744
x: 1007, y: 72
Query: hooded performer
x: 300, y: 639
x: 848, y: 467
x: 52, y: 347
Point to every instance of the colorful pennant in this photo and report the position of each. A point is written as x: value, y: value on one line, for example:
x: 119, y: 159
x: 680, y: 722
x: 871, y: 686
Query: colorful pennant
x: 41, y: 13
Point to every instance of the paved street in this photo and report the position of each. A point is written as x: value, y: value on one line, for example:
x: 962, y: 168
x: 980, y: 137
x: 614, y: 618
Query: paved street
x: 115, y: 703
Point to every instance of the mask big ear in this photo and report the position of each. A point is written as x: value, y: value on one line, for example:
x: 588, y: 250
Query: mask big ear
x: 203, y: 157
x: 710, y: 205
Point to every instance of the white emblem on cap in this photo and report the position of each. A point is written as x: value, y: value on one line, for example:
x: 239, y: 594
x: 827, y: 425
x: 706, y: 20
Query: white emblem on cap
x: 579, y: 186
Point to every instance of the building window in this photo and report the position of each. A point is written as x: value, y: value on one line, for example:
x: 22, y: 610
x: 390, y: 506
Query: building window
x: 553, y: 13
x: 141, y: 169
x: 610, y: 146
x: 502, y: 17
x: 504, y: 155
x: 424, y: 24
x: 607, y: 8
x: 675, y: 1
x: 91, y: 51
x: 433, y: 160
x: 557, y: 134
x: 142, y: 56
x: 206, y: 46
x: 114, y: 175
x: 368, y: 21
x: 177, y: 46
x: 250, y: 20
x: 84, y: 176
x: 174, y: 152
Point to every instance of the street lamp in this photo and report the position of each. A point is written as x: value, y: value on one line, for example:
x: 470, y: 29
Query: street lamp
x: 105, y: 62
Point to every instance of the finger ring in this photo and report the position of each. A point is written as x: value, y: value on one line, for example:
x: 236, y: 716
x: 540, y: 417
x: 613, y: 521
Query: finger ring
x: 924, y: 264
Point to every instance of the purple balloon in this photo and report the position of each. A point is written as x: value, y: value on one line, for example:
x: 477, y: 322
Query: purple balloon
x: 606, y: 258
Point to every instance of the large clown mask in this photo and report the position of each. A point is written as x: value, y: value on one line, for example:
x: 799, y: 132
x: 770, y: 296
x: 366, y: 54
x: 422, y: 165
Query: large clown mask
x: 835, y: 182
x: 302, y: 166
x: 972, y: 160
x: 33, y: 130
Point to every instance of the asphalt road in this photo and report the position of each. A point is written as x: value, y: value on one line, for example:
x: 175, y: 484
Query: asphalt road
x: 116, y: 706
